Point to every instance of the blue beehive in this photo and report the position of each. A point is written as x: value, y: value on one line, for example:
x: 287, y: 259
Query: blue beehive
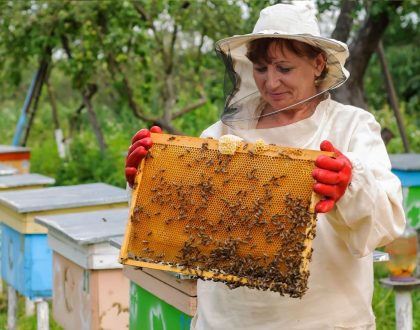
x: 9, y: 181
x: 407, y: 168
x: 26, y: 263
x: 27, y: 259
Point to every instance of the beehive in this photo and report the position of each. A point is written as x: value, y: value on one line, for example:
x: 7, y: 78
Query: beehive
x: 244, y: 219
x: 26, y: 256
x: 89, y: 288
x: 15, y: 156
x: 24, y: 181
x: 7, y: 170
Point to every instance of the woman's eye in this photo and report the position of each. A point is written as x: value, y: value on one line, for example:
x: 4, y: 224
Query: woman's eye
x: 261, y: 69
x: 283, y: 69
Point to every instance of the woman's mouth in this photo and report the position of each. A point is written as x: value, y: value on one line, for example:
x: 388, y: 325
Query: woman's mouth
x: 276, y: 95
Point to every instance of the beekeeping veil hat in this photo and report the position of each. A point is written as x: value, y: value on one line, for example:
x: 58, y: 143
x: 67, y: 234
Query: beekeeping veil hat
x: 278, y: 21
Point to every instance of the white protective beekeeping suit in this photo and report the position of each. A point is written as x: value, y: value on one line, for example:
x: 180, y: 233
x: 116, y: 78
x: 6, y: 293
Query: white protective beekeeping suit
x: 369, y: 214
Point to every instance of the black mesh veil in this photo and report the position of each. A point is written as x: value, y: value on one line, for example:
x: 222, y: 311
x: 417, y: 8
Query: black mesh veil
x: 232, y: 80
x: 243, y: 102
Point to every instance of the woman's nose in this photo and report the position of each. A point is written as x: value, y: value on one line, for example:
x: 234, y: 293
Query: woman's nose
x: 273, y: 78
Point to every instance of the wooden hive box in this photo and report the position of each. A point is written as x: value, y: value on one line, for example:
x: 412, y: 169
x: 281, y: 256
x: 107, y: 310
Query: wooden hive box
x: 26, y: 257
x: 172, y: 294
x: 245, y: 219
x: 18, y: 157
x: 148, y: 311
x: 89, y: 290
x: 7, y: 170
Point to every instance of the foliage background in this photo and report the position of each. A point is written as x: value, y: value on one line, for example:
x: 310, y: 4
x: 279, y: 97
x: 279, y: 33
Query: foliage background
x: 165, y: 59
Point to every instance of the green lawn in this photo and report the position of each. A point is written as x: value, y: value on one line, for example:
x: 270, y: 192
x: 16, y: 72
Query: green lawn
x: 23, y: 322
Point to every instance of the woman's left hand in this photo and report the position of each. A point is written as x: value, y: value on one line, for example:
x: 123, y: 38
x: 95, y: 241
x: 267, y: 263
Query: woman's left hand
x: 333, y: 176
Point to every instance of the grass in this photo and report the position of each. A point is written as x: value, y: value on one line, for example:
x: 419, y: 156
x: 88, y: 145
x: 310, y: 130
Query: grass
x: 383, y: 306
x: 383, y: 303
x: 23, y: 322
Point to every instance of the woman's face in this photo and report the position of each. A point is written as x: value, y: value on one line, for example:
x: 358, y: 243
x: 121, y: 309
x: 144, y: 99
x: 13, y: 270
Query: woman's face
x: 288, y: 79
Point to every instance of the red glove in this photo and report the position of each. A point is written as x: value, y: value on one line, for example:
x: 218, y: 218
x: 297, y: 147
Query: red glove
x: 333, y: 176
x: 140, y: 144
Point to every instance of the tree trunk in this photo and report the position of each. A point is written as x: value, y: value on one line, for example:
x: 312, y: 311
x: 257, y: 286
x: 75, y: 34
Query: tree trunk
x: 393, y: 99
x: 361, y: 50
x: 53, y: 103
x: 344, y: 21
x: 92, y: 118
x: 58, y: 133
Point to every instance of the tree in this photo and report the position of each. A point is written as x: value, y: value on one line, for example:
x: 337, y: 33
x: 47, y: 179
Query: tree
x: 156, y: 56
x: 155, y: 59
x: 363, y: 45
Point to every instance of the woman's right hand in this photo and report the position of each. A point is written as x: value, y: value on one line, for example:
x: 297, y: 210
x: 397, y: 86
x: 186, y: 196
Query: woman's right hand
x: 140, y: 144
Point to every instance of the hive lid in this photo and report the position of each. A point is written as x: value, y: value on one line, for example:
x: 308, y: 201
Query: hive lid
x: 43, y: 199
x: 22, y: 180
x: 405, y: 162
x: 7, y: 170
x: 117, y: 241
x: 379, y: 256
x: 245, y: 219
x: 5, y: 149
x: 87, y: 227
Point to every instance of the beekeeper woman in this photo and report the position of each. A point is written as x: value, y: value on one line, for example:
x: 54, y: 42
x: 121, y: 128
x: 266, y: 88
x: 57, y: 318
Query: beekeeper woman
x: 279, y: 78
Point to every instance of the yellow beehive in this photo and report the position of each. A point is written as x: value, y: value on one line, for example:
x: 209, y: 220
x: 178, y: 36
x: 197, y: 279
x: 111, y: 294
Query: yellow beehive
x: 244, y: 219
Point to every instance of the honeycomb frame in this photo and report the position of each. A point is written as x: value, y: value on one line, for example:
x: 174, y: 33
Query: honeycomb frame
x: 245, y: 219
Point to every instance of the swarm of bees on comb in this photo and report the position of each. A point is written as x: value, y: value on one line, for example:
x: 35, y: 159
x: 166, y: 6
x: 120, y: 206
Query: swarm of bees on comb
x: 246, y: 219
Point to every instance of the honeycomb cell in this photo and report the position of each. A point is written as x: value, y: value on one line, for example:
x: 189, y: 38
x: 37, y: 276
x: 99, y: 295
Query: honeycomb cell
x: 244, y: 219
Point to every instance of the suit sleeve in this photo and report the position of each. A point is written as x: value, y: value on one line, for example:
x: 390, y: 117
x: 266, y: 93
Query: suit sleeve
x: 370, y: 213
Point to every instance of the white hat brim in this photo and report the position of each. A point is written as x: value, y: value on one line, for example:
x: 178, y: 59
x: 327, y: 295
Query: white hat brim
x: 330, y: 46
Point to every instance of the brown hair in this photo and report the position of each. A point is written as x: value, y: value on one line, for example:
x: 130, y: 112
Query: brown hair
x: 258, y: 50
